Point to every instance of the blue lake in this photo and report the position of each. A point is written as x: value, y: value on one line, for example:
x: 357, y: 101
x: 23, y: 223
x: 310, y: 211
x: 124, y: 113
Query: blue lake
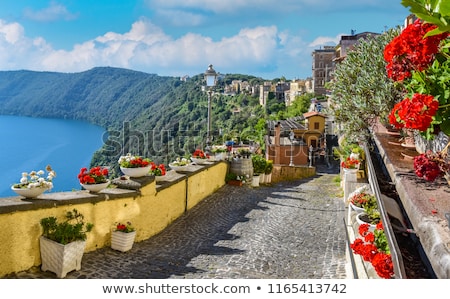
x: 32, y: 143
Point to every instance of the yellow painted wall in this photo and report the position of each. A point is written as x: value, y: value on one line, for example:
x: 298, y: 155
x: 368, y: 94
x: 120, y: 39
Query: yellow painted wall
x: 287, y: 173
x: 202, y: 184
x: 149, y: 212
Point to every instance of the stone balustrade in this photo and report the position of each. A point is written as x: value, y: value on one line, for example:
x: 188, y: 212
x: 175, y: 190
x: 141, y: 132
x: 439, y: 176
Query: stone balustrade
x: 149, y: 204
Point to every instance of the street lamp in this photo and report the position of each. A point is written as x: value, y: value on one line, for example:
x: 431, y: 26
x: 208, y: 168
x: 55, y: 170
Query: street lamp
x: 291, y: 137
x: 210, y: 78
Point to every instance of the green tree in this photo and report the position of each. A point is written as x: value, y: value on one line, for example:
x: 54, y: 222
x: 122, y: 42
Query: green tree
x: 361, y: 91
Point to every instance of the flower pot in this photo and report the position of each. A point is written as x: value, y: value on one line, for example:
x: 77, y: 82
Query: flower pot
x: 219, y: 157
x: 234, y: 183
x: 356, y: 209
x: 178, y: 168
x: 361, y: 219
x: 350, y: 174
x: 122, y: 241
x: 95, y: 187
x: 61, y: 259
x: 29, y: 192
x: 255, y: 181
x: 199, y: 161
x: 136, y: 172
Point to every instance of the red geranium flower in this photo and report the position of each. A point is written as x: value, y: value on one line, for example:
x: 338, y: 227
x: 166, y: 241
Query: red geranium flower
x: 95, y: 175
x: 411, y: 51
x: 415, y: 113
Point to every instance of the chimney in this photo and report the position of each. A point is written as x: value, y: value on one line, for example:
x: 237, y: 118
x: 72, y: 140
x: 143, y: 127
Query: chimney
x: 277, y: 134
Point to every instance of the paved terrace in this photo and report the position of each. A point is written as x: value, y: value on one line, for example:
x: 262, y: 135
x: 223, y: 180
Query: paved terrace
x: 290, y: 230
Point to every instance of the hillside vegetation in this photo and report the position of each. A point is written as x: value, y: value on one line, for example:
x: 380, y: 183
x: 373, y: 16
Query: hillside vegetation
x: 145, y: 114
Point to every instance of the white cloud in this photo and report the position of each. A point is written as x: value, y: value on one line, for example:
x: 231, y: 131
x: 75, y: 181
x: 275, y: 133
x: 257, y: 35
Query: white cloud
x: 325, y: 40
x: 10, y: 33
x: 147, y: 48
x: 53, y: 12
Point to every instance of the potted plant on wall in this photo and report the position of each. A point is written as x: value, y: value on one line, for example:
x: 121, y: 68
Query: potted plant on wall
x: 34, y: 183
x: 122, y: 238
x: 95, y: 179
x: 62, y: 243
x: 134, y: 166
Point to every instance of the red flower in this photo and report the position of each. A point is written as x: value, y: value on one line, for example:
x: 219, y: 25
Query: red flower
x: 411, y: 51
x: 415, y: 113
x: 199, y: 154
x: 382, y: 264
x: 367, y: 247
x: 431, y: 166
x: 158, y: 170
x: 94, y: 176
x: 350, y: 163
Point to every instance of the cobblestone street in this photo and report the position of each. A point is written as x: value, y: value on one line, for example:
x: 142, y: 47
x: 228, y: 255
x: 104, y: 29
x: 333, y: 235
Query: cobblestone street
x: 289, y: 230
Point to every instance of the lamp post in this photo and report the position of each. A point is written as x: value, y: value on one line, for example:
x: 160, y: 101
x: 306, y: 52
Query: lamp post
x: 291, y: 137
x: 210, y: 78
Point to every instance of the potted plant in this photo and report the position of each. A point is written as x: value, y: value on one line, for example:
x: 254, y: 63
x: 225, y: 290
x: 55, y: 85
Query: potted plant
x: 122, y: 238
x: 350, y: 164
x: 199, y: 157
x: 180, y: 163
x: 95, y: 179
x: 234, y: 179
x: 373, y: 248
x: 268, y: 171
x: 361, y: 201
x: 33, y: 183
x: 219, y: 152
x: 259, y: 166
x: 62, y: 243
x: 433, y: 165
x: 134, y: 166
x: 158, y: 170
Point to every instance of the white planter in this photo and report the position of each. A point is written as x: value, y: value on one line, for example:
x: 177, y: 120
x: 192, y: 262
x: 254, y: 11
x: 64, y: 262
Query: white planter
x: 359, y: 221
x: 122, y: 241
x: 255, y: 181
x: 29, y: 192
x: 61, y: 259
x: 356, y: 209
x: 199, y: 161
x: 136, y: 172
x: 95, y: 187
x: 350, y: 175
x: 219, y: 157
x: 178, y: 168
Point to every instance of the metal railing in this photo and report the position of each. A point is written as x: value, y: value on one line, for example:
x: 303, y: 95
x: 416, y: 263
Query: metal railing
x: 397, y: 260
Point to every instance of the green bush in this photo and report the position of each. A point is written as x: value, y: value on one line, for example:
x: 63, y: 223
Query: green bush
x: 259, y: 164
x: 72, y: 229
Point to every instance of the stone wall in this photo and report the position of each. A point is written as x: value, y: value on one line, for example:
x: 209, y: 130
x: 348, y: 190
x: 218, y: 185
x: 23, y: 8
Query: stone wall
x: 149, y: 204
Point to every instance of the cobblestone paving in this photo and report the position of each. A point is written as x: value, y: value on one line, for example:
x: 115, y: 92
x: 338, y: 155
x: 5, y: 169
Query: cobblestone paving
x: 289, y: 230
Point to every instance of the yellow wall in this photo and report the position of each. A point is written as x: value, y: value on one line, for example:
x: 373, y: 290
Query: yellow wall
x: 150, y: 210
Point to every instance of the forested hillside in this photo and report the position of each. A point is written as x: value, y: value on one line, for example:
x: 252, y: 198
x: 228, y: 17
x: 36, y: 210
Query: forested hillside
x: 146, y: 114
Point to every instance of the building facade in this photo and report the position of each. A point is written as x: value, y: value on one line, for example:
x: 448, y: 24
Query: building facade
x: 322, y: 68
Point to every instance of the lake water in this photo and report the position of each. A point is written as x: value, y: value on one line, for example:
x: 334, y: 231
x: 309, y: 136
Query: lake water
x: 32, y: 143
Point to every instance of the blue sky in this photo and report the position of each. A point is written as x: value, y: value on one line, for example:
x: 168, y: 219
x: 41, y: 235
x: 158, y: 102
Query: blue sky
x: 265, y: 38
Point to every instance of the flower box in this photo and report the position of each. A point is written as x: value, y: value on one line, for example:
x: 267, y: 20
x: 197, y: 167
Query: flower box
x: 122, y: 241
x: 61, y: 259
x: 29, y: 192
x: 95, y: 187
x: 235, y: 183
x: 136, y: 172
